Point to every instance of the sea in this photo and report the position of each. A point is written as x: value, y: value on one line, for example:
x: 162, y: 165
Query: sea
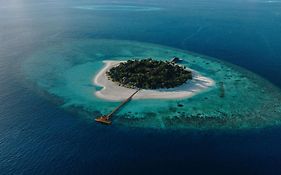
x: 38, y: 136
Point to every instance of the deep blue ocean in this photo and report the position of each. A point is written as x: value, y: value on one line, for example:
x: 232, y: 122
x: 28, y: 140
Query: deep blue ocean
x: 38, y: 137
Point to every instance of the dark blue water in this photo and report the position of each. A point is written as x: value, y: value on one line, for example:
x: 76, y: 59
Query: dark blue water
x: 37, y: 137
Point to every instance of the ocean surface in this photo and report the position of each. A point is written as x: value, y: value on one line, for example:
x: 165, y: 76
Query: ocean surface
x: 37, y: 136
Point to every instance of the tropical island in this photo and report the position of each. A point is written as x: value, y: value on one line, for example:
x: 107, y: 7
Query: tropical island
x: 156, y: 79
x: 149, y: 74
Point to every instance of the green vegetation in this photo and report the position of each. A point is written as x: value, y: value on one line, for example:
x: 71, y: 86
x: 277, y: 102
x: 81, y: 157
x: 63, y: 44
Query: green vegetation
x: 149, y: 74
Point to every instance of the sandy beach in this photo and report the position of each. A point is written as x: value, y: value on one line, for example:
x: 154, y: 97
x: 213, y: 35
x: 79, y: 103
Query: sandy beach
x: 113, y: 92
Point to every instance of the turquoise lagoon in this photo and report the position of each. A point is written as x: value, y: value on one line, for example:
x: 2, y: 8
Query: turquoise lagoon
x: 240, y: 99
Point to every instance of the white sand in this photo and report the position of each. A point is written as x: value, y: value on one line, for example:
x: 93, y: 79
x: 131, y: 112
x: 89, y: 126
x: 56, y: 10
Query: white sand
x: 113, y: 92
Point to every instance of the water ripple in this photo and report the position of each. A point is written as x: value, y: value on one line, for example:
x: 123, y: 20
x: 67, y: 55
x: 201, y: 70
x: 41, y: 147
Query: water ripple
x: 118, y: 8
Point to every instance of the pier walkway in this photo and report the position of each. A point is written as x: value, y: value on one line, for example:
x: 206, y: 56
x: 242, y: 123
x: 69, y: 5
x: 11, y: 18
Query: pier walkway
x: 105, y: 119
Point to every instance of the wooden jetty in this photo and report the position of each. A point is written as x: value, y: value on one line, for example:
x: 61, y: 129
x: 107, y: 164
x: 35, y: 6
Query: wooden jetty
x: 105, y: 119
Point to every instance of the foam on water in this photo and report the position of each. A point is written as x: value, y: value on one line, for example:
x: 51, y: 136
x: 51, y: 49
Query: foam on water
x: 240, y: 98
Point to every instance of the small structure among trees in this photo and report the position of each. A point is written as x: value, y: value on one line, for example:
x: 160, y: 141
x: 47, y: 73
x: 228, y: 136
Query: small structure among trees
x: 176, y: 60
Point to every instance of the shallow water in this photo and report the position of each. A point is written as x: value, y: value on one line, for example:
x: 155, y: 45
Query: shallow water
x: 240, y: 99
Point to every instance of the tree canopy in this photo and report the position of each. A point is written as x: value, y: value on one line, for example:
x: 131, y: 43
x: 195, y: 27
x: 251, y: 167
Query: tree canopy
x: 149, y: 74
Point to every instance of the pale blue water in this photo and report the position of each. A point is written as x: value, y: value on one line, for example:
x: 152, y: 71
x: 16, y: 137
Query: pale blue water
x: 43, y: 133
x: 70, y: 78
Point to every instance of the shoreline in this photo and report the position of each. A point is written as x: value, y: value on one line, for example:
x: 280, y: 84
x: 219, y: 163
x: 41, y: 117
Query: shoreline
x: 113, y: 92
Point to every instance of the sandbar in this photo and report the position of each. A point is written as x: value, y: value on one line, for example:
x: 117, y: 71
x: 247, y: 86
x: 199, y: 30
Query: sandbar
x: 113, y: 92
